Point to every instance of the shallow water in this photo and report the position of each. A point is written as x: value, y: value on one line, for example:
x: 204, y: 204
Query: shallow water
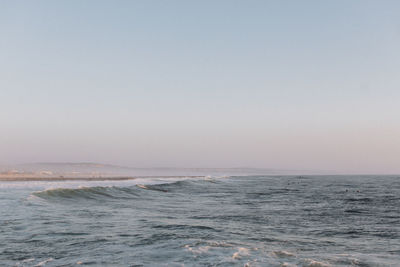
x: 253, y: 220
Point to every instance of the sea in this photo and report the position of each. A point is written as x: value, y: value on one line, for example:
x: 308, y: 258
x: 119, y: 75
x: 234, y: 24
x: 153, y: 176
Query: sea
x: 273, y: 220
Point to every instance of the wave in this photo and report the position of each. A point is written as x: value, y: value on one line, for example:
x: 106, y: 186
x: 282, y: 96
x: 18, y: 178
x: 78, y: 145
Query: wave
x: 97, y: 192
x: 119, y: 190
x: 150, y: 188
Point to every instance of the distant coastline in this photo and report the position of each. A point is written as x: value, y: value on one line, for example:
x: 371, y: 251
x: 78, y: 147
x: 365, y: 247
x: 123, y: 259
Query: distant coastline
x: 100, y: 172
x: 59, y: 178
x: 16, y: 178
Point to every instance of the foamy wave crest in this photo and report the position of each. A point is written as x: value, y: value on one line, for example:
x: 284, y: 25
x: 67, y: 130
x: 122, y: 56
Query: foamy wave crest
x: 314, y: 263
x: 113, y: 189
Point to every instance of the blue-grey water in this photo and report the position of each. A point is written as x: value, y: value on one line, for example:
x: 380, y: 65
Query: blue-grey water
x: 227, y: 221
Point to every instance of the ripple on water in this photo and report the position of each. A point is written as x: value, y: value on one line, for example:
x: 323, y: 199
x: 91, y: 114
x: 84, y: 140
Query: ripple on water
x: 238, y: 221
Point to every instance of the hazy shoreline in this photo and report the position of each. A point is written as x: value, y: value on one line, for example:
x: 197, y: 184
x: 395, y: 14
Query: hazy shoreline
x: 116, y: 178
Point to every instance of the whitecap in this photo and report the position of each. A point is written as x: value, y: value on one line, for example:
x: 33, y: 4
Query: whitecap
x: 287, y: 264
x: 24, y: 261
x: 282, y: 254
x: 198, y: 250
x: 42, y: 263
x: 314, y: 263
x: 240, y: 253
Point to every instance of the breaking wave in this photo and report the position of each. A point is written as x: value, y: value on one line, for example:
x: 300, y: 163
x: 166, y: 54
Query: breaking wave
x: 97, y: 192
x: 119, y: 190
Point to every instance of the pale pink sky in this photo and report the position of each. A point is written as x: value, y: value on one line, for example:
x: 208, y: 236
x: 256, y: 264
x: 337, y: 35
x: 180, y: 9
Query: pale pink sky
x: 310, y: 85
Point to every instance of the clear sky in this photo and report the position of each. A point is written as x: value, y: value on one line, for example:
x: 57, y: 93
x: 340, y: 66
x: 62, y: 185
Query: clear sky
x: 276, y: 84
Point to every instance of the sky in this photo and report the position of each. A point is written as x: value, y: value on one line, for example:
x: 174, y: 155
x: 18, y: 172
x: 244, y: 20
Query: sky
x: 308, y: 85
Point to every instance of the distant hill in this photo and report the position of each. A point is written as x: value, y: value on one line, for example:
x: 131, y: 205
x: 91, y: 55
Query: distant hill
x: 90, y: 169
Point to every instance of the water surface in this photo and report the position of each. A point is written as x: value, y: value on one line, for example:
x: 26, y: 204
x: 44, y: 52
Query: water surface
x: 248, y: 220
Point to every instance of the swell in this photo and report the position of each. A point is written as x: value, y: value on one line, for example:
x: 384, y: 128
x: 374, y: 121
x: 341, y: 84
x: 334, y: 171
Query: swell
x: 115, y: 192
x: 97, y: 192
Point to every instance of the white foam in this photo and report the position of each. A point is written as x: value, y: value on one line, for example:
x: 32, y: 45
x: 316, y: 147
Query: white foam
x: 42, y: 263
x: 198, y: 250
x: 240, y: 253
x: 45, y: 185
x: 24, y: 261
x: 287, y: 264
x: 282, y: 254
x: 314, y: 263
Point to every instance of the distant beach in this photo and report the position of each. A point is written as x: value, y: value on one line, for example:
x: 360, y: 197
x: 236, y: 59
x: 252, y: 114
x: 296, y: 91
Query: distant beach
x: 28, y: 177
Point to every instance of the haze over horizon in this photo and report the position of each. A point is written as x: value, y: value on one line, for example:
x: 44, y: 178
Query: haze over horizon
x: 304, y: 85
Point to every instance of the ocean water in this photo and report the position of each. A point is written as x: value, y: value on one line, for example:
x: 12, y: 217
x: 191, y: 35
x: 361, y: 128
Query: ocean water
x: 207, y: 221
